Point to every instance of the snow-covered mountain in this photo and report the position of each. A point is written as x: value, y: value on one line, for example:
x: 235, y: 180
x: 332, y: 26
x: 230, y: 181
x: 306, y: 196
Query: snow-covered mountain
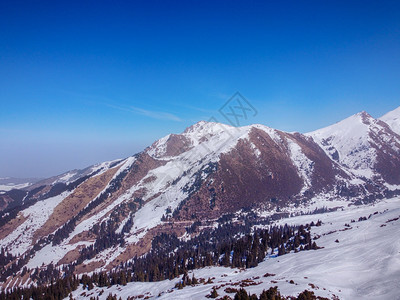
x: 363, y: 146
x: 392, y: 118
x: 183, y: 184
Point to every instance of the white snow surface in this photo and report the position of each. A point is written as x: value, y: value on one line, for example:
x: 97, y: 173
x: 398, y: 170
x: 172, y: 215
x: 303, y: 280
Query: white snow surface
x: 363, y: 264
x: 52, y: 254
x: 104, y: 166
x: 392, y: 118
x: 65, y: 178
x: 304, y: 165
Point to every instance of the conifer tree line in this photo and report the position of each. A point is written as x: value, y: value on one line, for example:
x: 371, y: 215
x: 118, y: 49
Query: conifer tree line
x: 170, y: 257
x: 271, y: 294
x: 106, y: 233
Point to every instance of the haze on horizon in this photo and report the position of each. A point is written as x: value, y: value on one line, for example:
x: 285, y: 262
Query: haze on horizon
x: 82, y: 83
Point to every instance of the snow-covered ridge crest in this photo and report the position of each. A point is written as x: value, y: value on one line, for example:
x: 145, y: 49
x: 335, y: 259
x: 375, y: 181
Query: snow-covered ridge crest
x: 392, y: 118
x: 348, y: 141
x: 212, y: 137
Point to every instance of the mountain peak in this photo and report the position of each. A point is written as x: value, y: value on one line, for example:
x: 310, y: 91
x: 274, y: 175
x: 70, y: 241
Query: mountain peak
x: 365, y: 117
x: 355, y: 121
x: 208, y: 126
x: 363, y: 113
x: 196, y: 125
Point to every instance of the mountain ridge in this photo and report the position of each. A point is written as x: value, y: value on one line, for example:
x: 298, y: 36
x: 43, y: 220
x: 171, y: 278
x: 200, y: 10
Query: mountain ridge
x: 208, y: 171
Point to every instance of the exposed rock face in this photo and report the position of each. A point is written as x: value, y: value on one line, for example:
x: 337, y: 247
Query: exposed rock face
x: 207, y: 171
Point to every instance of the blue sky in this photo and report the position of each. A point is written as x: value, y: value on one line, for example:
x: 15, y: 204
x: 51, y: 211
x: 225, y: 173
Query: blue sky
x: 87, y: 81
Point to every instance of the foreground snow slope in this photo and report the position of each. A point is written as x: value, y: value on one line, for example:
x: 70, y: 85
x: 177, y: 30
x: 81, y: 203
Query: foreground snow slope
x: 360, y: 262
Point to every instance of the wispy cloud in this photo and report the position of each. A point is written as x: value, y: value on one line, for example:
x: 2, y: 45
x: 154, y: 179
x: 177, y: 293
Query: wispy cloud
x: 223, y: 96
x: 159, y: 115
x: 156, y: 114
x: 200, y: 109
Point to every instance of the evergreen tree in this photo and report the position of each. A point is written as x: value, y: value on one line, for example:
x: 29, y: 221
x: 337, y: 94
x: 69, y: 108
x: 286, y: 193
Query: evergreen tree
x: 241, y: 295
x: 214, y: 293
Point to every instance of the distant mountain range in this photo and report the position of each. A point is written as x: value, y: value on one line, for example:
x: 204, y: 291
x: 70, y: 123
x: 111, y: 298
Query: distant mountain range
x: 9, y: 183
x: 209, y: 171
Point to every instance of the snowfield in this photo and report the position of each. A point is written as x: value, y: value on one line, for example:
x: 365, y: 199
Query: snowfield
x: 360, y: 260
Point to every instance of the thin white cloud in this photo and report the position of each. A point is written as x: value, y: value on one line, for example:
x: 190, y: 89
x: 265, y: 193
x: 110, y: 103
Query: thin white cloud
x: 200, y: 109
x: 159, y: 115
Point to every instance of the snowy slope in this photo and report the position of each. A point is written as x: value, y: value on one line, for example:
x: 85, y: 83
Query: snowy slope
x: 363, y: 264
x: 392, y: 118
x: 349, y: 139
x: 20, y: 239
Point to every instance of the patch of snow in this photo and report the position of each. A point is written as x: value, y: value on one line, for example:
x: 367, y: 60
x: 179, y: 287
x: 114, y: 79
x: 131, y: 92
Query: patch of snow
x: 159, y: 148
x: 303, y: 164
x: 257, y: 152
x: 392, y: 187
x: 52, y: 254
x: 65, y: 178
x: 104, y: 166
x: 356, y: 181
